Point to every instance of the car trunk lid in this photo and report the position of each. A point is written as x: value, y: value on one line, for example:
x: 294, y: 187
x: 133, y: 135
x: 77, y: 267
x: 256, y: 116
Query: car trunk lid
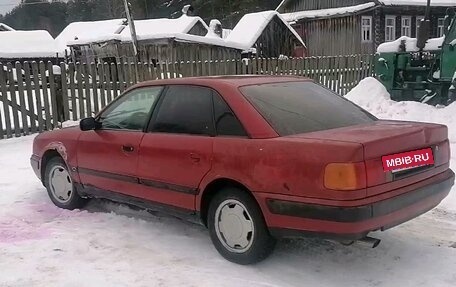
x: 383, y: 138
x: 386, y: 137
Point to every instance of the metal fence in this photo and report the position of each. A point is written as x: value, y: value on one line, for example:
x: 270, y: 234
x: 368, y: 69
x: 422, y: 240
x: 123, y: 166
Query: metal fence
x: 35, y: 97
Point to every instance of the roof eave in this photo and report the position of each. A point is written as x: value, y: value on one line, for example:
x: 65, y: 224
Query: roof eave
x: 341, y: 15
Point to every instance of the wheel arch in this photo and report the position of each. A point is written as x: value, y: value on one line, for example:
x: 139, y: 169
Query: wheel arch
x: 47, y: 156
x: 211, y: 190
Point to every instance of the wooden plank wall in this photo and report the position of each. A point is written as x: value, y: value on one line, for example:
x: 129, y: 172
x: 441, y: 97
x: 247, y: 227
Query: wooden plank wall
x: 336, y: 36
x: 157, y: 50
x: 34, y: 99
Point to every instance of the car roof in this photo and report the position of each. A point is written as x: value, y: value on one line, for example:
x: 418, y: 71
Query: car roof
x: 236, y: 81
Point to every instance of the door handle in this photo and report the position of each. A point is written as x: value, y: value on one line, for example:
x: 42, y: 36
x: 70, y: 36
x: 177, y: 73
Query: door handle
x: 127, y: 148
x: 195, y: 158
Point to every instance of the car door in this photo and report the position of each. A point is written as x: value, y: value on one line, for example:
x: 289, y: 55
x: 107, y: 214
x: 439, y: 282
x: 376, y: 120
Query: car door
x: 176, y: 152
x: 108, y: 156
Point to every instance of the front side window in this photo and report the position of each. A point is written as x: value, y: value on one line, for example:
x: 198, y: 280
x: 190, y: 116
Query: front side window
x: 366, y: 29
x: 390, y: 28
x: 301, y: 107
x: 131, y: 111
x: 406, y: 26
x: 185, y: 110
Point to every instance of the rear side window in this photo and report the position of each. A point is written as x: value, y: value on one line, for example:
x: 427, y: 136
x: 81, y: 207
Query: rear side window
x: 226, y: 122
x: 302, y: 107
x: 185, y: 110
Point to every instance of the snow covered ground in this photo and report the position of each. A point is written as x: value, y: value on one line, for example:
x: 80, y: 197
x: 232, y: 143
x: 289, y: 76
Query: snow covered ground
x: 107, y: 244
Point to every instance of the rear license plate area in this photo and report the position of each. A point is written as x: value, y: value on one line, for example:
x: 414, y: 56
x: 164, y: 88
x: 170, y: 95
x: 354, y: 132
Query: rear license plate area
x: 408, y: 161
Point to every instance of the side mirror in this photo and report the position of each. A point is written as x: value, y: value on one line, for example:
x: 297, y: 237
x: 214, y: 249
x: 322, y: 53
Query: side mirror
x: 89, y: 124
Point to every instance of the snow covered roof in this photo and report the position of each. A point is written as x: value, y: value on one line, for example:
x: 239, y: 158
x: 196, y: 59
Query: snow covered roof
x: 27, y: 44
x: 89, y: 31
x: 4, y: 27
x: 150, y: 28
x: 251, y: 26
x: 410, y: 45
x: 444, y: 3
x: 332, y: 12
x: 243, y: 36
x: 117, y: 29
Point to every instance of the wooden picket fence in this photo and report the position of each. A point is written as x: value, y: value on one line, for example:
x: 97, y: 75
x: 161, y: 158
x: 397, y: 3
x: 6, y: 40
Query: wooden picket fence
x: 35, y: 97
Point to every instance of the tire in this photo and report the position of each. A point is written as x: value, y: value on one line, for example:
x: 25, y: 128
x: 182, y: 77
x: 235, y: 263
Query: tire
x: 60, y: 187
x: 237, y: 227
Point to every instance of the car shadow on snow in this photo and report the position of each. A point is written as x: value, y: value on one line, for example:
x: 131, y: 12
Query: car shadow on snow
x: 131, y: 211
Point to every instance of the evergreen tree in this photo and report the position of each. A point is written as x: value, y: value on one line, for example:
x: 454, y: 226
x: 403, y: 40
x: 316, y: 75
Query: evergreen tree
x: 54, y: 15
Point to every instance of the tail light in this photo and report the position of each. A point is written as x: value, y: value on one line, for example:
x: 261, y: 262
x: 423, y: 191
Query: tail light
x: 345, y: 176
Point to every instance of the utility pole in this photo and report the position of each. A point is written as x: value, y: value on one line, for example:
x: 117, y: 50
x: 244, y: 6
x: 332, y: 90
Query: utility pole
x: 131, y: 24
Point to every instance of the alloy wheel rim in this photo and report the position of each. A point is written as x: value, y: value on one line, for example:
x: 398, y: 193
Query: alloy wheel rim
x: 234, y: 226
x: 60, y: 184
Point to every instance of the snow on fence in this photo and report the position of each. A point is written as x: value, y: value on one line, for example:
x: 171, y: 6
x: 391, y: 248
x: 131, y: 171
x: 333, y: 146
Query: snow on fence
x: 35, y: 97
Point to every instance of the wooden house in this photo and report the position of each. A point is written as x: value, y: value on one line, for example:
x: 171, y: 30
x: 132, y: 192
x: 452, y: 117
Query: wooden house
x: 341, y: 27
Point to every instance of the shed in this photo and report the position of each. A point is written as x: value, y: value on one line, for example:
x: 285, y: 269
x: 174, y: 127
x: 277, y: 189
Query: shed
x: 268, y: 34
x: 184, y: 38
x: 89, y: 31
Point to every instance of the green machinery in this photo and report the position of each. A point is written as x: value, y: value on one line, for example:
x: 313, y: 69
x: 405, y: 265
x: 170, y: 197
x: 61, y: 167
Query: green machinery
x: 420, y: 69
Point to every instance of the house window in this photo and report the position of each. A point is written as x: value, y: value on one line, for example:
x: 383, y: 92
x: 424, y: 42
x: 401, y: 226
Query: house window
x: 440, y: 27
x: 366, y: 29
x: 418, y: 24
x: 390, y: 28
x: 406, y: 27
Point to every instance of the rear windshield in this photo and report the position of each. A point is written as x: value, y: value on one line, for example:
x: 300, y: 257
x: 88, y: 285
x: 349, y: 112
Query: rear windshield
x: 302, y: 107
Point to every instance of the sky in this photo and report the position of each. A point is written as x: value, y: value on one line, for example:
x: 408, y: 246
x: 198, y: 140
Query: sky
x: 8, y: 5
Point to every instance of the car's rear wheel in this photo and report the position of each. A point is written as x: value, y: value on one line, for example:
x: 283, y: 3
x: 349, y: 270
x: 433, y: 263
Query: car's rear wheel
x: 60, y: 186
x: 237, y: 227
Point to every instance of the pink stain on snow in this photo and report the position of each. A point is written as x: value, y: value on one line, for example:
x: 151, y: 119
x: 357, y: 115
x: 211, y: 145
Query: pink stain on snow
x: 14, y: 231
x: 31, y: 221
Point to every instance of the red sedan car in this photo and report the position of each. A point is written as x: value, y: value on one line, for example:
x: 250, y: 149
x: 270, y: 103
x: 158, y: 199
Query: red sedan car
x: 252, y: 158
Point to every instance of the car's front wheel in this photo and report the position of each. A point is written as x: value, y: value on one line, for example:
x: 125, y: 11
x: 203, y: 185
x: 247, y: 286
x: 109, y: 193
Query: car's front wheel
x: 237, y: 227
x: 60, y: 186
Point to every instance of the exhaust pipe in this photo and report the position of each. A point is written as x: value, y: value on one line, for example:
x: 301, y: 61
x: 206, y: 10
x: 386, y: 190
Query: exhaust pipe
x: 366, y: 241
x: 369, y: 241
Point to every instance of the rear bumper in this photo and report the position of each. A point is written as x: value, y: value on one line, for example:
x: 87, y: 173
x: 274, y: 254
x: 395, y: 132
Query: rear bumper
x: 35, y: 163
x: 355, y: 222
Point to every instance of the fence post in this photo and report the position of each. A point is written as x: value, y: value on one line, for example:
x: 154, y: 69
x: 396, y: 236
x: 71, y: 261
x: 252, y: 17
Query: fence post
x: 55, y: 88
x: 64, y: 85
x: 4, y: 99
x: 13, y: 101
x: 22, y: 104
